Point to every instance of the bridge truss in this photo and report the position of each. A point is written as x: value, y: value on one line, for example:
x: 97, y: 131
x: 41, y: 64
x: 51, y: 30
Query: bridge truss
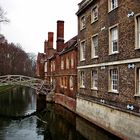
x: 41, y: 86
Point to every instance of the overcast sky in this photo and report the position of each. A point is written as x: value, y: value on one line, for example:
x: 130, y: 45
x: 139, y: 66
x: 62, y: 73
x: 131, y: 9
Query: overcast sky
x: 31, y: 20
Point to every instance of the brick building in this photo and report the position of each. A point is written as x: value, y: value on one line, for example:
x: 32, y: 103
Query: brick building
x: 109, y: 64
x: 40, y: 65
x: 60, y: 67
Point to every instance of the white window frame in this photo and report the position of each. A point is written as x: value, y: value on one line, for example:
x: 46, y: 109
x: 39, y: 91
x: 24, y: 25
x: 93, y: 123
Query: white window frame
x: 113, y: 39
x: 111, y: 5
x: 113, y: 80
x: 137, y: 31
x: 94, y: 14
x: 94, y: 79
x: 71, y: 82
x: 82, y: 79
x: 82, y: 50
x: 82, y: 22
x: 94, y: 46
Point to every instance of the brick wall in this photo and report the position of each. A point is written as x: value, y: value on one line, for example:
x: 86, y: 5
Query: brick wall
x: 126, y: 43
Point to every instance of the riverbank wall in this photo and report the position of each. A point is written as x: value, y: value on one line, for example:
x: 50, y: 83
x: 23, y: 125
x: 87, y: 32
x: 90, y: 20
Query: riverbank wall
x: 66, y: 101
x: 121, y: 123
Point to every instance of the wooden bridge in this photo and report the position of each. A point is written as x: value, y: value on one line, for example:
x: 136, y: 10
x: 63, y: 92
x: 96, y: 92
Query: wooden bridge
x: 41, y: 86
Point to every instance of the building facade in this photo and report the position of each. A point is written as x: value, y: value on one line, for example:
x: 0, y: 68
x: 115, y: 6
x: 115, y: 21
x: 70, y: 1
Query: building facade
x: 109, y: 65
x: 60, y: 67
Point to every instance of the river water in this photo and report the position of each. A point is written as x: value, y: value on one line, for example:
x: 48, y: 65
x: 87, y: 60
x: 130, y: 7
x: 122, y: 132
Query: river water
x: 53, y: 123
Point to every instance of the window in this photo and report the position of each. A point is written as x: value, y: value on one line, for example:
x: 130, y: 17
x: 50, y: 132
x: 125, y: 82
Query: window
x: 61, y: 81
x: 65, y: 82
x: 113, y: 80
x: 71, y: 83
x: 82, y: 76
x: 94, y: 79
x: 113, y: 43
x: 138, y: 82
x: 62, y: 64
x: 72, y: 61
x: 82, y: 51
x: 82, y: 22
x: 51, y: 66
x: 138, y: 32
x: 45, y: 67
x: 113, y: 4
x: 67, y: 63
x: 94, y: 14
x: 94, y: 47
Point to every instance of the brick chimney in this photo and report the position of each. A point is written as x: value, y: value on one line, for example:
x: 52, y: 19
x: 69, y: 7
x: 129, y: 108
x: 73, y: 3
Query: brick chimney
x: 50, y: 40
x: 45, y: 46
x: 60, y: 36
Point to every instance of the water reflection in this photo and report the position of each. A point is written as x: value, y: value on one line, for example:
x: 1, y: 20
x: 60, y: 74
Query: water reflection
x: 17, y: 101
x: 53, y: 123
x: 64, y: 125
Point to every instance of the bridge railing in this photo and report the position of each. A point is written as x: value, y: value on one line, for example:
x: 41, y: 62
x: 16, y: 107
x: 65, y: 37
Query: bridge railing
x: 42, y: 86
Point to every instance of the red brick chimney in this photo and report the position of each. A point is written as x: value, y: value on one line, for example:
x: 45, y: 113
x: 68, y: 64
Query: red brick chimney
x: 50, y: 40
x: 60, y: 36
x: 45, y: 46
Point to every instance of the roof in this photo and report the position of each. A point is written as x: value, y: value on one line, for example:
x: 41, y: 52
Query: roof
x: 70, y: 45
x: 83, y: 4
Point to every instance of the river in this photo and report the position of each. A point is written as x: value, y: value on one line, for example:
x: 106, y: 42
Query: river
x: 52, y: 123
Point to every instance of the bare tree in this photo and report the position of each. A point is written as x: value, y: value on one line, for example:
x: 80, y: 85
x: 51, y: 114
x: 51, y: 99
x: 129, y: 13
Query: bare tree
x: 14, y: 60
x: 3, y: 17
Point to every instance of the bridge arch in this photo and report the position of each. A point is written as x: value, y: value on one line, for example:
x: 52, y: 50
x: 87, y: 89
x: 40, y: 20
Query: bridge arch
x: 41, y: 86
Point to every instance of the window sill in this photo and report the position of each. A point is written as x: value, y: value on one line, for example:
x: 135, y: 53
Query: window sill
x: 136, y: 95
x: 92, y: 22
x: 110, y: 10
x: 82, y: 86
x: 94, y: 89
x: 137, y: 48
x: 95, y: 57
x: 82, y: 60
x: 113, y: 91
x: 82, y: 28
x: 113, y: 53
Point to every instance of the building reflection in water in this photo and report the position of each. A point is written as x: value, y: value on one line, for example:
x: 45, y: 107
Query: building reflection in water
x: 62, y: 124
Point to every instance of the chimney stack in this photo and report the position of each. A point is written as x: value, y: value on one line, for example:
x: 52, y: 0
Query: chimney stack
x: 50, y: 40
x: 60, y: 36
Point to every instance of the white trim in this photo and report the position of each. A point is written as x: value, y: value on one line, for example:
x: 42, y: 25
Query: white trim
x: 110, y: 63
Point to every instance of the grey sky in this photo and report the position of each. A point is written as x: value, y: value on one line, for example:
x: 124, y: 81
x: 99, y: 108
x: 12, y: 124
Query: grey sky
x: 31, y: 20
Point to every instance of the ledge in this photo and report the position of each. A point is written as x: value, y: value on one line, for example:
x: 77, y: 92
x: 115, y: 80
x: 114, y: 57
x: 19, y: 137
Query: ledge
x: 110, y: 104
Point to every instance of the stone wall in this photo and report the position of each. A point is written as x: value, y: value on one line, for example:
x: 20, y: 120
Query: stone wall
x: 122, y: 124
